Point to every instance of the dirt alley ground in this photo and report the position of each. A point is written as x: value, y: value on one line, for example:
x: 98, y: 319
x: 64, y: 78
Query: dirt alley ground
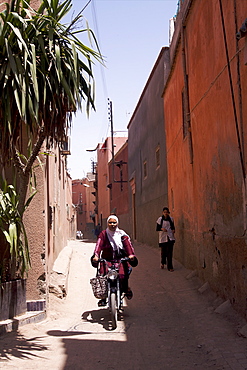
x: 167, y: 325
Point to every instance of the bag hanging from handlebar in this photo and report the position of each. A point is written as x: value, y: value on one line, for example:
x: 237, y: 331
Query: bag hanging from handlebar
x: 99, y: 286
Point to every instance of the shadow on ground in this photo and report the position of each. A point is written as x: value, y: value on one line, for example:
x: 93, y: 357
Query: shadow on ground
x: 21, y: 347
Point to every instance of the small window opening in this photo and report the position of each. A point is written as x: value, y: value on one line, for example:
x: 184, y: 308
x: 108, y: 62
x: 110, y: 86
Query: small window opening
x: 145, y: 169
x: 157, y: 157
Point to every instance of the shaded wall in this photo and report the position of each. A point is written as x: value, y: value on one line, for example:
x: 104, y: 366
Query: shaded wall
x: 146, y: 134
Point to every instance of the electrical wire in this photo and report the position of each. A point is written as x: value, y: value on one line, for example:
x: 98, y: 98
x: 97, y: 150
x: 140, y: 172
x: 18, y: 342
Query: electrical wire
x: 232, y: 91
x: 102, y: 71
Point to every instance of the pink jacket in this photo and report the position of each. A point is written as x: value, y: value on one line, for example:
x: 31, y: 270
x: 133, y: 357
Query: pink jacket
x: 103, y: 249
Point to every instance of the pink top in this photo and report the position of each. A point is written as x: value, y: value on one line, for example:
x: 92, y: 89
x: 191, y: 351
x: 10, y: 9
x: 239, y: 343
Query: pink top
x: 103, y: 249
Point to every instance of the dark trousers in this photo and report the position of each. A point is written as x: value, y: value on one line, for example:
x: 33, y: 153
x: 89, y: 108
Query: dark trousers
x: 166, y: 253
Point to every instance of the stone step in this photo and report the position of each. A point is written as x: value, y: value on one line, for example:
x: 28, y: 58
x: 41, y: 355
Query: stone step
x: 27, y: 318
x: 37, y: 305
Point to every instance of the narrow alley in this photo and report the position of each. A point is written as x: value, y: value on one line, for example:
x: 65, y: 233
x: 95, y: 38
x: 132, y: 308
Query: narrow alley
x: 167, y: 325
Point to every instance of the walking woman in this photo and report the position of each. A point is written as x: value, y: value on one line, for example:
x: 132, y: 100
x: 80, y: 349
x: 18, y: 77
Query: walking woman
x: 165, y: 227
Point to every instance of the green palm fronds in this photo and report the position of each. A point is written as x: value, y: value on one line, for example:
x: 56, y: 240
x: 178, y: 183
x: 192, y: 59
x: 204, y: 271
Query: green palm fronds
x: 45, y: 71
x: 45, y: 75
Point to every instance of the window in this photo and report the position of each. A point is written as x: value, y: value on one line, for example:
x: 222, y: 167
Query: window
x: 145, y: 169
x: 172, y: 198
x: 184, y: 113
x: 80, y: 208
x: 157, y: 157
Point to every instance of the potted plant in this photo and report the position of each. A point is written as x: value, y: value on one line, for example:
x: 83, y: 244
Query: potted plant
x: 15, y: 259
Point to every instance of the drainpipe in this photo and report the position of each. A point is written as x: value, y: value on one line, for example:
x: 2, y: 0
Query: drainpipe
x: 186, y: 94
x: 240, y: 99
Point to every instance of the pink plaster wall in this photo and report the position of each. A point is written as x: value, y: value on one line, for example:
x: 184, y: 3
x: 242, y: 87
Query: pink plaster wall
x: 35, y: 226
x: 49, y: 235
x: 119, y: 200
x: 85, y: 208
x: 103, y: 157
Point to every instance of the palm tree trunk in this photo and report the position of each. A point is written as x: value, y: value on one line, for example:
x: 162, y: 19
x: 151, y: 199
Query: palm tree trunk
x: 24, y: 171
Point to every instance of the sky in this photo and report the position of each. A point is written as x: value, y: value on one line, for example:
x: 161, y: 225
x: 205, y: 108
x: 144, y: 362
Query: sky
x: 130, y: 34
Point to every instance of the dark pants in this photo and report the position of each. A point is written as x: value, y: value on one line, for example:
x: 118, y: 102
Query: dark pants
x: 166, y: 253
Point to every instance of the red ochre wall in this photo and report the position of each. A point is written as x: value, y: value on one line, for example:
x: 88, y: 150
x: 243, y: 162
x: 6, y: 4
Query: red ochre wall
x: 206, y: 189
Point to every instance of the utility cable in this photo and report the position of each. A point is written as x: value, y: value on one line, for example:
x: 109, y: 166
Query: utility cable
x: 232, y: 91
x: 102, y: 70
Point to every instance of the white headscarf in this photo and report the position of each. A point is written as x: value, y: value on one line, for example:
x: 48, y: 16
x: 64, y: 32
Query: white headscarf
x: 115, y: 236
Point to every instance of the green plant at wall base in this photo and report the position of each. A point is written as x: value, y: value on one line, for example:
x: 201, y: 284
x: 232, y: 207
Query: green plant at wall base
x: 16, y: 257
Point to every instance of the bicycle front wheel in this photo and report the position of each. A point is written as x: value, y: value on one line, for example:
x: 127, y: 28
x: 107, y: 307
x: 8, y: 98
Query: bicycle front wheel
x: 113, y: 310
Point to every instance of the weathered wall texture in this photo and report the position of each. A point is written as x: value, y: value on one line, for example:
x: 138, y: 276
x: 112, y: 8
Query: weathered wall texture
x: 35, y: 226
x: 58, y: 205
x: 148, y: 193
x: 206, y: 182
x: 49, y: 220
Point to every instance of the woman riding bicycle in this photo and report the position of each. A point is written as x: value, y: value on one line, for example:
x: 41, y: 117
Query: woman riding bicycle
x: 112, y: 245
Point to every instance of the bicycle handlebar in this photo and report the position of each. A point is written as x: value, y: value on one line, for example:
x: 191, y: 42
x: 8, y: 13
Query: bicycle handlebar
x: 120, y: 260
